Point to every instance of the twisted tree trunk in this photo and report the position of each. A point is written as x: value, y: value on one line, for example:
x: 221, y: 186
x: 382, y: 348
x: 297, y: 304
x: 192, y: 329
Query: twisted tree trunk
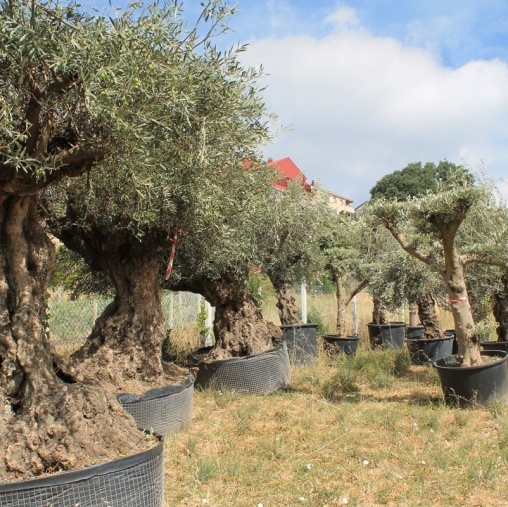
x: 428, y: 316
x: 49, y: 416
x: 379, y: 312
x: 288, y: 311
x: 239, y: 327
x: 500, y: 310
x: 126, y: 341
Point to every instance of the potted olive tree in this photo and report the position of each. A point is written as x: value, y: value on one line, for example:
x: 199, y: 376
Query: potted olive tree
x: 428, y: 229
x: 214, y: 258
x: 72, y: 97
x: 347, y: 254
x: 414, y: 282
x: 298, y: 221
x: 190, y: 187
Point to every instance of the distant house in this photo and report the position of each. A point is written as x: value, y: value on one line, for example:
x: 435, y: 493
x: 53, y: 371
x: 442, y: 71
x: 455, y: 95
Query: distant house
x: 340, y: 203
x: 359, y: 209
x: 289, y: 171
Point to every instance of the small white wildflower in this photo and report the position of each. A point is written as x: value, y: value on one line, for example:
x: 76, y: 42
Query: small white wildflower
x: 431, y: 430
x: 365, y: 462
x: 260, y: 505
x: 345, y: 500
x: 204, y: 500
x: 423, y: 462
x: 309, y: 466
x: 302, y: 498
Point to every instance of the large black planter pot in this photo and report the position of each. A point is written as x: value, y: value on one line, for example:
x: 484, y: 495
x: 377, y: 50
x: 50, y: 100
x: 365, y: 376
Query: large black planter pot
x: 163, y: 410
x: 414, y: 332
x: 387, y: 336
x: 474, y: 385
x: 495, y: 346
x: 335, y: 344
x: 426, y: 350
x: 258, y: 374
x: 301, y: 341
x: 135, y: 481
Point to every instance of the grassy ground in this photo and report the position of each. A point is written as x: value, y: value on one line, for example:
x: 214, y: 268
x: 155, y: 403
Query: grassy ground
x: 365, y: 431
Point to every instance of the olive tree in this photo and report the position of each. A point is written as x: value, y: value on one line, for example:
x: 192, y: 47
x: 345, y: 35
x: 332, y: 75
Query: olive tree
x: 345, y: 248
x: 206, y: 117
x: 428, y: 228
x: 296, y: 222
x: 415, y: 283
x: 216, y: 254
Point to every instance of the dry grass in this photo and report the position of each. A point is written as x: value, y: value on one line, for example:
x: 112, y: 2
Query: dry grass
x: 389, y: 440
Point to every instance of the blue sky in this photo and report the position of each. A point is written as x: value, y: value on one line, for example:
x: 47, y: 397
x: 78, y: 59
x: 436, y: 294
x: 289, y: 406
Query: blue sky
x: 369, y: 86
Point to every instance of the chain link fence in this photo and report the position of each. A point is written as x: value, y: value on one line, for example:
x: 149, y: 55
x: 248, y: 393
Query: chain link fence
x: 70, y: 321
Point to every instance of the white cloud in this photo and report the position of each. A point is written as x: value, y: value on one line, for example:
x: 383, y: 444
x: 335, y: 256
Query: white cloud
x: 343, y: 17
x: 362, y: 106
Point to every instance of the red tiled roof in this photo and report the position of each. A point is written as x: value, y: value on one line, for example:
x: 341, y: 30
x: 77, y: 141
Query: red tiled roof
x: 289, y: 171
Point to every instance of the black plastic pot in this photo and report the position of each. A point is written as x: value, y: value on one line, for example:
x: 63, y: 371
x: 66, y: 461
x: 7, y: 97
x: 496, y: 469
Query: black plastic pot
x: 163, y: 410
x: 455, y: 347
x: 414, y: 332
x: 387, y: 336
x: 335, y: 344
x: 426, y: 350
x: 258, y: 374
x: 474, y: 385
x: 495, y: 346
x: 135, y: 481
x: 301, y: 341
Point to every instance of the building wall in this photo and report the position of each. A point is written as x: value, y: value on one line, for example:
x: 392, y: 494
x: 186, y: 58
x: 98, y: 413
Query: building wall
x: 339, y: 203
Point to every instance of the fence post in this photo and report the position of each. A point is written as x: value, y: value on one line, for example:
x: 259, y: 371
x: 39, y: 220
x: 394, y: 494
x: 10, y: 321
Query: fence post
x: 208, y: 324
x: 303, y: 292
x: 171, y: 319
x: 355, y: 316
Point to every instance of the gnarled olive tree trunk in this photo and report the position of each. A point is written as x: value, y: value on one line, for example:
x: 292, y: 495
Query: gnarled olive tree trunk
x: 500, y: 310
x: 379, y: 312
x: 288, y: 311
x: 126, y: 341
x: 49, y: 418
x: 426, y: 305
x: 239, y: 326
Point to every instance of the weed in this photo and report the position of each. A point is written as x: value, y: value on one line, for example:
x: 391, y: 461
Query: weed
x: 206, y: 469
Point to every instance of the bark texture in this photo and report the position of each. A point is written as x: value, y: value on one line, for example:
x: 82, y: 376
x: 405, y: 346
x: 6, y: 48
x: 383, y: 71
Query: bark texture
x: 469, y: 346
x: 428, y: 316
x: 413, y: 314
x: 342, y: 302
x: 288, y: 311
x: 50, y: 415
x: 126, y: 341
x: 238, y: 326
x: 380, y: 312
x: 500, y: 310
